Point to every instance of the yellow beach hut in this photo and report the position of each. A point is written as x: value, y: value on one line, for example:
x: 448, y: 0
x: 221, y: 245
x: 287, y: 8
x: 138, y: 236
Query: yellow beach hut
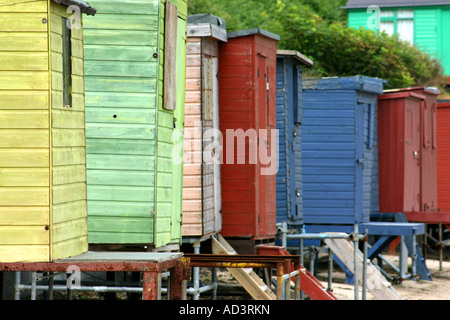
x: 42, y: 146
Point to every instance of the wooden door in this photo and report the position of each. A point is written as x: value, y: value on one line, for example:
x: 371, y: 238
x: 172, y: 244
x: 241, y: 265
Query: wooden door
x: 263, y: 142
x: 428, y: 165
x: 217, y: 151
x: 412, y: 156
x: 359, y: 163
x: 293, y: 120
x: 211, y: 190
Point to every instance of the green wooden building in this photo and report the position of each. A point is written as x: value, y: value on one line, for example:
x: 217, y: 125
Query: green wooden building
x: 135, y: 55
x: 423, y: 23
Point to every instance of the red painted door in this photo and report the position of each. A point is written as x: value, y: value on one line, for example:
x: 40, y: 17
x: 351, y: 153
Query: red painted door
x: 429, y: 179
x: 262, y: 112
x: 412, y: 156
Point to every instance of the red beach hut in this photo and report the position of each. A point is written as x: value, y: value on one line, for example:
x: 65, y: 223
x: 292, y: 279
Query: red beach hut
x: 443, y: 155
x: 247, y: 96
x: 407, y: 150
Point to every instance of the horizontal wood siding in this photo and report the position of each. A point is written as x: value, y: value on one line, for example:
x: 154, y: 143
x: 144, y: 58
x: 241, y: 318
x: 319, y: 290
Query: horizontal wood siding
x: 236, y: 100
x: 297, y: 148
x: 289, y: 175
x: 121, y: 120
x: 192, y: 177
x: 25, y: 132
x: 426, y: 25
x: 69, y: 208
x: 370, y: 200
x: 266, y: 183
x: 283, y: 178
x: 328, y: 150
x: 169, y: 141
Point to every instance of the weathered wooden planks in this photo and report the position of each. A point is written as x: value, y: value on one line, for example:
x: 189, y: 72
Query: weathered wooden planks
x: 69, y: 230
x: 247, y: 84
x: 377, y: 285
x: 246, y: 276
x: 201, y: 180
x: 42, y: 150
x: 131, y: 184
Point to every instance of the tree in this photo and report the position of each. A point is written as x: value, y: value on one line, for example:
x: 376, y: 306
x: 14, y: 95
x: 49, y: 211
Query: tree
x: 317, y: 28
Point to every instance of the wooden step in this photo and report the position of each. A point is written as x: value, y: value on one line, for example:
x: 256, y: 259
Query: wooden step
x: 377, y: 285
x: 251, y: 282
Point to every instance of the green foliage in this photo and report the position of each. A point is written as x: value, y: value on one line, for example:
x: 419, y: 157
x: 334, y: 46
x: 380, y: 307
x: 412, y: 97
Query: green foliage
x: 317, y: 28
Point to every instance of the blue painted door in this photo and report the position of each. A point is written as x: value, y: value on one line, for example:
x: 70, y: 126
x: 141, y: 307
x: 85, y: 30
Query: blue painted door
x: 366, y: 166
x: 294, y: 122
x: 360, y: 163
x: 288, y: 126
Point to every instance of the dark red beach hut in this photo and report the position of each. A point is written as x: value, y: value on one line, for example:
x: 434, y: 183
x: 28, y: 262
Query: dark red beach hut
x: 247, y: 86
x: 443, y: 156
x: 407, y: 150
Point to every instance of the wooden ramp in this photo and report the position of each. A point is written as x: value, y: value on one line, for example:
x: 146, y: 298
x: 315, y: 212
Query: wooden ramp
x: 377, y: 285
x: 245, y: 276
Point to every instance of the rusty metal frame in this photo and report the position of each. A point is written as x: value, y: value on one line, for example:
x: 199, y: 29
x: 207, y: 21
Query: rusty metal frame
x: 152, y: 270
x: 284, y: 265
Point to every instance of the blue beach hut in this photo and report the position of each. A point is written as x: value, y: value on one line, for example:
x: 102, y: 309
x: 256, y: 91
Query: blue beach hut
x: 289, y: 120
x: 339, y: 150
x: 340, y: 163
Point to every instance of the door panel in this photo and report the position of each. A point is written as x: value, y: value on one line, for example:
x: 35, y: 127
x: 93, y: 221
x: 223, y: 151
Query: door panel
x: 292, y: 74
x: 412, y: 157
x: 359, y: 162
x: 262, y: 112
x: 178, y: 113
x: 217, y: 151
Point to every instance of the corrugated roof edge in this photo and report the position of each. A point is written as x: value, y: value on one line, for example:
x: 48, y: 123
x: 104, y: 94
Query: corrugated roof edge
x: 296, y: 55
x: 83, y: 6
x: 362, y: 83
x: 253, y: 31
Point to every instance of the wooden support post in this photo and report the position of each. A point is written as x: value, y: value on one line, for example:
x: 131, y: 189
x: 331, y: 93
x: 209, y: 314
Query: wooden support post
x: 279, y: 281
x: 297, y: 287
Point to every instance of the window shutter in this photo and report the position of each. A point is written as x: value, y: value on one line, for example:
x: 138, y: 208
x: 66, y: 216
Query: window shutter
x: 170, y: 56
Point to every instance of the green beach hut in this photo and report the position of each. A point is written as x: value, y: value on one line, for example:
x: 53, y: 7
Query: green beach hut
x: 423, y: 23
x: 135, y: 61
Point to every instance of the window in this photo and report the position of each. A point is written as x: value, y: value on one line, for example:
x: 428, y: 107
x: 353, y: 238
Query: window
x: 399, y: 22
x: 67, y: 64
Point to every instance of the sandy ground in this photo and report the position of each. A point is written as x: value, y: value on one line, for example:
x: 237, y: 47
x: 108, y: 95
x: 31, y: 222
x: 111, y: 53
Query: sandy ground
x: 438, y: 289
